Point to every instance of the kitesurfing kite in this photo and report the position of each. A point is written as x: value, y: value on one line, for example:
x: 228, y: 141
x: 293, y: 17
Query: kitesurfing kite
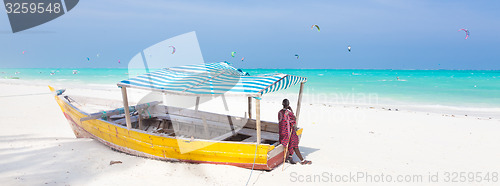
x: 466, y: 32
x: 118, y: 61
x: 232, y: 54
x: 349, y: 48
x: 242, y: 58
x: 88, y: 59
x: 315, y: 26
x: 24, y: 51
x: 173, y: 49
x: 297, y: 55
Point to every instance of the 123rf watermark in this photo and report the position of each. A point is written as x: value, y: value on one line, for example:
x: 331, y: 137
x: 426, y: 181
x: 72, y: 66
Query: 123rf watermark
x: 366, y: 177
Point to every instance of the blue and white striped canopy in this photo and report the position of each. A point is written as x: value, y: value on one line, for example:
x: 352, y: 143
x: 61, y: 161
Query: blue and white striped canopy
x: 210, y: 79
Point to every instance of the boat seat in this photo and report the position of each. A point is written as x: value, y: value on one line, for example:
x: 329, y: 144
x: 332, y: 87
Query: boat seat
x: 193, y: 121
x: 263, y: 134
x: 124, y: 122
x: 224, y: 136
x: 250, y: 139
x: 119, y: 116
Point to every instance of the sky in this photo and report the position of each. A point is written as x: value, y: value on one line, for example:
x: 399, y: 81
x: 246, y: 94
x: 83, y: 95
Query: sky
x: 383, y: 34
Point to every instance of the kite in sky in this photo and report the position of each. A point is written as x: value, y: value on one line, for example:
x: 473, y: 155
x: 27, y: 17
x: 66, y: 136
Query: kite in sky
x: 466, y: 32
x: 88, y: 59
x: 173, y: 49
x: 349, y: 48
x: 297, y: 55
x: 242, y: 58
x: 315, y: 26
x: 232, y: 54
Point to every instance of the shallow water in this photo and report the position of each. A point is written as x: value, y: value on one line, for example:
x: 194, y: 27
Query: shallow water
x: 462, y: 88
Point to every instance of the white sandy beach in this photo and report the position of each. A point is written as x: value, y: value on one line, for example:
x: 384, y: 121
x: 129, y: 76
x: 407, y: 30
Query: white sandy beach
x: 38, y: 147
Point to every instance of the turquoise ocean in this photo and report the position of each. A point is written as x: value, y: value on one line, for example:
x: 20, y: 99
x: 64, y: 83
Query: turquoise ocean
x: 457, y: 88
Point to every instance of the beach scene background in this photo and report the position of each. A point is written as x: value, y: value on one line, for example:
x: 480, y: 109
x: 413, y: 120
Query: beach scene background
x: 366, y: 137
x: 398, y: 92
x: 475, y: 91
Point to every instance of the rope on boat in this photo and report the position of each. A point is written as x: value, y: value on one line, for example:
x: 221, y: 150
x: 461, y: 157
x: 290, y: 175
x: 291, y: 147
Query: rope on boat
x: 144, y: 110
x: 147, y: 108
x: 104, y: 115
x: 255, y: 156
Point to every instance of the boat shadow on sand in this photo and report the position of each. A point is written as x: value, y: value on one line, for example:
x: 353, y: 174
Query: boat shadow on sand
x: 32, y: 160
x: 305, y: 151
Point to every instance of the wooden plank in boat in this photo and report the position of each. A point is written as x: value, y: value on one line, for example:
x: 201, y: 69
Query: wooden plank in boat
x: 251, y: 139
x: 119, y: 116
x: 202, y: 114
x: 224, y: 136
x: 124, y: 122
x: 194, y: 121
x: 263, y: 134
x: 265, y: 125
x: 111, y: 113
x: 250, y: 123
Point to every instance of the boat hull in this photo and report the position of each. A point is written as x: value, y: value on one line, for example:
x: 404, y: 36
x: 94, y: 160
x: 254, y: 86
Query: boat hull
x: 157, y: 146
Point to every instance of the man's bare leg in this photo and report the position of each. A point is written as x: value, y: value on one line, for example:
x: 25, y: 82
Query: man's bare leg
x: 302, y: 160
x: 297, y: 151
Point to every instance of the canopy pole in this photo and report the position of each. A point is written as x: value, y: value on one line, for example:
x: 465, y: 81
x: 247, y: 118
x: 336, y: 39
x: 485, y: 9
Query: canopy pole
x: 257, y: 119
x: 139, y: 119
x: 197, y: 103
x: 298, y: 103
x: 225, y: 102
x: 125, y: 106
x: 164, y: 96
x: 249, y: 107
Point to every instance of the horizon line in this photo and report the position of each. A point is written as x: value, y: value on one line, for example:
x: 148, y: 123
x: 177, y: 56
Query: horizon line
x: 250, y: 68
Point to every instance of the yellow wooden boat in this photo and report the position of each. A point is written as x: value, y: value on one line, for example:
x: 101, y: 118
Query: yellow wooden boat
x: 155, y: 130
